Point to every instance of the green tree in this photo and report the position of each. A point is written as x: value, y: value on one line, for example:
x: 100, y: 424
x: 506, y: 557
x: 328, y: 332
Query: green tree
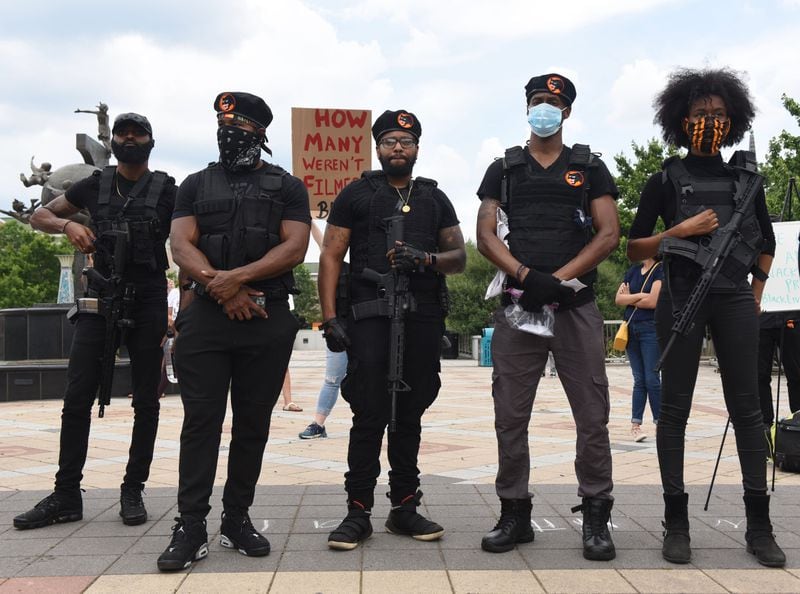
x: 469, y: 311
x: 783, y: 163
x: 633, y: 174
x: 306, y: 304
x: 29, y: 269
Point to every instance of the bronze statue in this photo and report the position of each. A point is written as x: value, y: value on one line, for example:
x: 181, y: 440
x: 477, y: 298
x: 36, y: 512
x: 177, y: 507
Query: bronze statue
x: 39, y: 175
x: 103, y: 129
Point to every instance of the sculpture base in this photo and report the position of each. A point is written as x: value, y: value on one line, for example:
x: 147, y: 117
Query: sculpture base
x: 46, y: 380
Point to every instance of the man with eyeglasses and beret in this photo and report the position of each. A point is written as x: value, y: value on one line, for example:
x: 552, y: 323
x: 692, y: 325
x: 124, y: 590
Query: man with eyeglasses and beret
x: 431, y: 246
x: 240, y: 227
x: 562, y: 216
x: 123, y: 198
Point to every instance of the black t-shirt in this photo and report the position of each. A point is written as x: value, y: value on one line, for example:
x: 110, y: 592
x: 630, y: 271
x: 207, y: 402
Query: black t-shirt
x: 151, y: 285
x: 351, y: 209
x: 293, y: 194
x: 600, y: 184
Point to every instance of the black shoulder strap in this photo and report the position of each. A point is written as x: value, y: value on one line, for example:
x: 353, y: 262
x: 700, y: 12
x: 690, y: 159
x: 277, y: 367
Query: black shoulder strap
x: 514, y: 157
x: 106, y: 181
x: 156, y: 187
x: 426, y: 180
x: 373, y: 178
x: 272, y: 178
x: 581, y: 157
x: 676, y: 172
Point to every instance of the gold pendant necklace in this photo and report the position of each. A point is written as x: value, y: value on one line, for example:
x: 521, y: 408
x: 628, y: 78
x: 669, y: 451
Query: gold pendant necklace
x: 116, y: 183
x: 406, y: 208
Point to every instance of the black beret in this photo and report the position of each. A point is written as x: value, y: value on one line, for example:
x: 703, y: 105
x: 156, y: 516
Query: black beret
x: 244, y: 105
x: 401, y: 119
x: 551, y: 83
x: 132, y: 118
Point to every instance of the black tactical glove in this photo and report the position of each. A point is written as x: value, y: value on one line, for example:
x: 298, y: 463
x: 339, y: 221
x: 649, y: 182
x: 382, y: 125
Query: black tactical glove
x: 541, y: 288
x: 408, y: 258
x: 335, y: 335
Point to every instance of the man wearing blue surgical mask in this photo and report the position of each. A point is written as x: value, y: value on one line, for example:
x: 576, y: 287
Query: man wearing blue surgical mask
x: 562, y: 216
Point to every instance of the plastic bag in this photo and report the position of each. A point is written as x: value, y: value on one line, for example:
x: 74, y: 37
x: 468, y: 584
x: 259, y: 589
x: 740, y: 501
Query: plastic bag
x: 540, y: 323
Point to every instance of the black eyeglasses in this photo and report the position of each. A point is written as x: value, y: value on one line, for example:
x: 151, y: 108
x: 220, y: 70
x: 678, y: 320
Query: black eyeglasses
x: 390, y: 143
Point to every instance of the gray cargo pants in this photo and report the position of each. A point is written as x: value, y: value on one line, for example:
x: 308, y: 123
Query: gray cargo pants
x: 519, y: 358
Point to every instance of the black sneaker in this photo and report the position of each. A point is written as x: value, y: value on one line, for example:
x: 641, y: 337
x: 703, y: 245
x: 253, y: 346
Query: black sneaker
x: 56, y: 508
x: 313, y: 431
x: 189, y: 543
x: 355, y: 528
x: 131, y: 506
x: 238, y: 532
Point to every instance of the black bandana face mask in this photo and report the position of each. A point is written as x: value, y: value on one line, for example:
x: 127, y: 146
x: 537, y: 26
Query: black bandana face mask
x: 135, y: 153
x: 239, y: 149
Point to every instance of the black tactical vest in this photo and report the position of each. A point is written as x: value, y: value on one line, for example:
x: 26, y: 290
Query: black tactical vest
x: 695, y: 194
x: 136, y: 214
x: 235, y: 231
x: 548, y: 216
x: 421, y: 228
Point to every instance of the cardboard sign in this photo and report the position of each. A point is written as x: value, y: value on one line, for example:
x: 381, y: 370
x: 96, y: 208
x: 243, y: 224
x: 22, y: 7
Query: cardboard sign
x: 330, y: 148
x: 782, y: 291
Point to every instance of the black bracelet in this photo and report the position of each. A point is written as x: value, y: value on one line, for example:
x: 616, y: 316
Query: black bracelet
x: 433, y: 260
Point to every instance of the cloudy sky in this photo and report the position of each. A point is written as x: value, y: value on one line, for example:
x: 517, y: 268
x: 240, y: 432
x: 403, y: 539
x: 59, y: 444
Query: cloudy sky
x: 461, y: 67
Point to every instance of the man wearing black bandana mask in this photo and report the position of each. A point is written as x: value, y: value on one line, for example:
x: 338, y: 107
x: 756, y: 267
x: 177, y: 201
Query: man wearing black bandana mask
x: 127, y: 197
x: 695, y: 197
x: 240, y: 226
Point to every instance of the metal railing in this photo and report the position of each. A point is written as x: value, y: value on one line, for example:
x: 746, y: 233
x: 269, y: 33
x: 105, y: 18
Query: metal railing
x: 610, y: 327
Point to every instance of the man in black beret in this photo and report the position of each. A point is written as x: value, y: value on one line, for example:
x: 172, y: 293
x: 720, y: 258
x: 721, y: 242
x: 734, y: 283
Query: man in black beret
x: 130, y: 201
x: 562, y: 216
x: 240, y: 226
x: 365, y: 219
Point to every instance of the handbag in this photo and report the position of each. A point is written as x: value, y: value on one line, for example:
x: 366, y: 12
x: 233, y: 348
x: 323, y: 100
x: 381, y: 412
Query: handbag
x: 621, y: 337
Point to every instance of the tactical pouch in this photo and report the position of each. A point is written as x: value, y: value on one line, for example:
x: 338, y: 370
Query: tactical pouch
x: 215, y: 248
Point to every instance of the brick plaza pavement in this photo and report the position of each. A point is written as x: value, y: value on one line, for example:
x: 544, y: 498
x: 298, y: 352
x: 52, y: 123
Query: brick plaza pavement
x: 300, y: 498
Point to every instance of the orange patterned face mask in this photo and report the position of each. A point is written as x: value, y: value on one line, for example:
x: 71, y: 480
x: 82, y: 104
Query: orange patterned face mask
x: 707, y: 135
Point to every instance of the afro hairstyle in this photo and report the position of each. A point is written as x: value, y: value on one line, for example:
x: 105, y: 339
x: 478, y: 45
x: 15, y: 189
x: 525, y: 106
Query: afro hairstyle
x: 685, y: 86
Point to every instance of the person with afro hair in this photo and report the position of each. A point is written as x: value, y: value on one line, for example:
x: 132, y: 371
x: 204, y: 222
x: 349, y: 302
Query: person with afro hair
x: 695, y: 197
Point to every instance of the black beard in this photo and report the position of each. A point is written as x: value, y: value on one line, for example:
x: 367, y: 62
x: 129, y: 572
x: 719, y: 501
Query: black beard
x: 134, y: 155
x: 393, y: 170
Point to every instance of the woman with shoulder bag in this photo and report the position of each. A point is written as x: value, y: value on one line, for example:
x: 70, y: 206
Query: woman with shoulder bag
x: 639, y: 293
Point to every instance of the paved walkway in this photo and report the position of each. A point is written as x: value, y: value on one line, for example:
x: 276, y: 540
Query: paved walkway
x: 300, y: 498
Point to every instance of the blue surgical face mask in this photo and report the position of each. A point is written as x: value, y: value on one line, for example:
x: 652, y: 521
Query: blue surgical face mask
x: 545, y: 119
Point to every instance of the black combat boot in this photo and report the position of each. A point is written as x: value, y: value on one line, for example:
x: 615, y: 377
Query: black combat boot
x: 676, y: 547
x: 355, y: 527
x: 514, y: 526
x: 759, y: 536
x: 404, y: 519
x: 597, y: 543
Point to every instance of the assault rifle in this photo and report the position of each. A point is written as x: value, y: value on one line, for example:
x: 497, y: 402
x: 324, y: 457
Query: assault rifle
x: 394, y: 288
x: 710, y: 254
x: 114, y: 304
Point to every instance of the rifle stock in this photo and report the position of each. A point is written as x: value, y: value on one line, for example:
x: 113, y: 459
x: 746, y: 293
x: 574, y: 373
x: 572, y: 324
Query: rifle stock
x: 710, y: 256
